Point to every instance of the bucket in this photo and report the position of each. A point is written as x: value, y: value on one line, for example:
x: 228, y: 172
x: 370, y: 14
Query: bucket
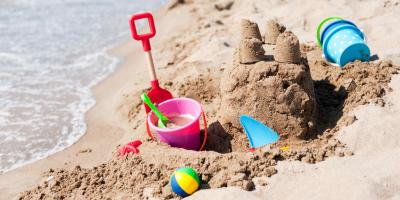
x: 342, y: 41
x: 186, y: 136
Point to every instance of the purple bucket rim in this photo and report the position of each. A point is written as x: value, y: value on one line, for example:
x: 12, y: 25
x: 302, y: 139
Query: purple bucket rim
x: 325, y: 49
x: 168, y: 130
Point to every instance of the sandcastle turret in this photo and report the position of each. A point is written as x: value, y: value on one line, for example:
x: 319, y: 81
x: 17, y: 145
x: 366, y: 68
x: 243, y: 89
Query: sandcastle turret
x: 278, y: 93
x: 250, y: 51
x: 272, y: 31
x: 249, y: 29
x: 287, y: 48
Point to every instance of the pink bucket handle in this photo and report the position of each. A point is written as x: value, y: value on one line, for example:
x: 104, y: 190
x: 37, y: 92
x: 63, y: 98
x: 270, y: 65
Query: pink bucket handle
x: 205, y: 130
x: 148, y: 128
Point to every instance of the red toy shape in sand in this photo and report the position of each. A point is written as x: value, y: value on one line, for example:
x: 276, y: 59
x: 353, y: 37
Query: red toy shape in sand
x: 131, y: 147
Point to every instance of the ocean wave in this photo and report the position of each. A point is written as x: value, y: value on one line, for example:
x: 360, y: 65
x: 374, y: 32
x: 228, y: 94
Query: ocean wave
x: 48, y: 63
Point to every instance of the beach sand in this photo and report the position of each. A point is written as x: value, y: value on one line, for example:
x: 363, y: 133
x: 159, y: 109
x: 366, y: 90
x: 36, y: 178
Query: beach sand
x: 195, y: 40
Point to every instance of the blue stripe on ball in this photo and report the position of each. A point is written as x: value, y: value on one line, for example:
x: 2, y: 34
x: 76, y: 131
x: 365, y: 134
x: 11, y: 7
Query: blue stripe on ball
x: 176, y: 188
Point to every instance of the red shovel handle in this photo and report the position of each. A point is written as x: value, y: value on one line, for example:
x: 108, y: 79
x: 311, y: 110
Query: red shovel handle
x: 143, y: 37
x: 148, y: 128
x: 205, y: 130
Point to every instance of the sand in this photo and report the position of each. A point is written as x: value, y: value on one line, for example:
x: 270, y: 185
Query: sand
x: 287, y: 48
x: 146, y: 175
x: 371, y: 173
x: 250, y: 51
x: 280, y: 95
x: 272, y: 31
x: 249, y: 29
x: 356, y: 148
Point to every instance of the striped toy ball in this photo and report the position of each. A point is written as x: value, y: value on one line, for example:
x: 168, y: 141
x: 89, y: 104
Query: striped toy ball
x: 184, y: 181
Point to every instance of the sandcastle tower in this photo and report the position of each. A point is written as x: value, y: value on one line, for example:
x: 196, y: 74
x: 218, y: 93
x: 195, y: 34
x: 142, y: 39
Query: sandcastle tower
x: 250, y: 48
x: 278, y: 93
x: 250, y: 51
x: 273, y: 29
x: 287, y: 48
x: 249, y: 29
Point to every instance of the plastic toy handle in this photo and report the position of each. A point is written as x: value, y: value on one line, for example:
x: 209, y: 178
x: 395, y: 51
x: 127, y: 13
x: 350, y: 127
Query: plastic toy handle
x: 320, y: 26
x: 147, y: 101
x: 148, y: 128
x: 205, y: 131
x: 145, y: 38
x: 364, y: 36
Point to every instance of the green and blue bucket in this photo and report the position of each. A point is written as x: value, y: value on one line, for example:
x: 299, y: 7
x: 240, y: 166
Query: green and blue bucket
x: 342, y: 41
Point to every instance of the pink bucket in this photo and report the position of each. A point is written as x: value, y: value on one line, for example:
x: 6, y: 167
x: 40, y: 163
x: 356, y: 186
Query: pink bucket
x: 187, y: 136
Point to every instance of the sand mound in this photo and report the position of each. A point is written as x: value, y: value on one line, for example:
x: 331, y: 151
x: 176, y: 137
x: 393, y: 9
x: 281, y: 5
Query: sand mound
x: 250, y: 51
x: 272, y: 31
x: 147, y: 175
x: 201, y: 88
x: 249, y: 29
x: 282, y: 95
x: 279, y: 95
x: 287, y: 48
x: 339, y: 91
x: 144, y: 176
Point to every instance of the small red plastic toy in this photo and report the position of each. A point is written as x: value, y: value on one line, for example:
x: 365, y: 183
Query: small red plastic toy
x: 131, y: 147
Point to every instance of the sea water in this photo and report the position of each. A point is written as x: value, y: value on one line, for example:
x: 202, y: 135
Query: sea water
x: 51, y: 53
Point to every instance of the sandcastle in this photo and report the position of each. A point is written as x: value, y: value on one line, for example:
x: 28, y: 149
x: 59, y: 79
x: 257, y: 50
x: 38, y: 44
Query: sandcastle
x: 278, y: 93
x: 249, y: 30
x: 287, y: 48
x: 250, y: 51
x: 272, y: 31
x: 250, y: 48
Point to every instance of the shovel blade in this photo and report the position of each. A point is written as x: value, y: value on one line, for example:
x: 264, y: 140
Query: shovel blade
x: 258, y: 133
x: 157, y: 95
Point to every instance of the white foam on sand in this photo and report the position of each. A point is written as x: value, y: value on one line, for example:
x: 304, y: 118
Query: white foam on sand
x: 51, y: 53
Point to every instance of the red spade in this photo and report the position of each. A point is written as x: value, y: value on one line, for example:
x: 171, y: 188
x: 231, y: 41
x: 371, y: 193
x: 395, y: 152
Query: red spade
x: 156, y: 94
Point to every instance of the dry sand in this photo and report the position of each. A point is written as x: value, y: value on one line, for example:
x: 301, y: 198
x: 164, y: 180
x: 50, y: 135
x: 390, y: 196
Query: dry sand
x: 371, y: 173
x: 191, y: 56
x: 272, y: 31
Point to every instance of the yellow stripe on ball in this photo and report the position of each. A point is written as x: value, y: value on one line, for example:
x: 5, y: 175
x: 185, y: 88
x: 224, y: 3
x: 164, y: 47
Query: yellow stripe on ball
x: 186, y: 182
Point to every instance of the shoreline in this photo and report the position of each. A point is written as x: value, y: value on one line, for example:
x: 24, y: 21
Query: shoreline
x: 83, y: 152
x: 43, y: 155
x: 103, y: 132
x: 49, y: 77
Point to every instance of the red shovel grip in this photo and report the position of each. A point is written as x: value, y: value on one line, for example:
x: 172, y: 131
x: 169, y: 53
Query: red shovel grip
x: 143, y: 37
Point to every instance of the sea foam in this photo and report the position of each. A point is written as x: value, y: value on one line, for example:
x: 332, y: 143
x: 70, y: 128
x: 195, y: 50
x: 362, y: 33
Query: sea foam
x: 51, y: 53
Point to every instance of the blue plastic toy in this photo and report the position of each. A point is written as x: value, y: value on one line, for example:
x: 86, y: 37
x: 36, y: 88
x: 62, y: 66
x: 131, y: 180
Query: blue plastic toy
x: 342, y: 42
x: 258, y: 133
